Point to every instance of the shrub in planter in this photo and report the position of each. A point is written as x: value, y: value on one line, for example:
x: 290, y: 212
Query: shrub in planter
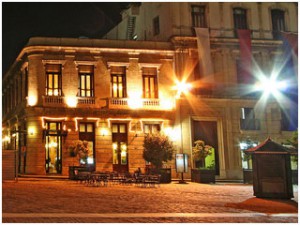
x: 204, y: 154
x: 158, y: 149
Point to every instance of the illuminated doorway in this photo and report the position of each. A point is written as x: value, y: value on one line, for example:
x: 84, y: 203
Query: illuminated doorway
x: 87, y: 133
x: 207, y: 131
x: 53, y: 161
x: 120, y: 150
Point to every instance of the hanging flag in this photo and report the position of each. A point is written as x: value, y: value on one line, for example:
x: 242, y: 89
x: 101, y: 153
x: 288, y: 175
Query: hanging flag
x: 204, y: 51
x: 245, y: 56
x: 292, y: 39
x: 289, y: 72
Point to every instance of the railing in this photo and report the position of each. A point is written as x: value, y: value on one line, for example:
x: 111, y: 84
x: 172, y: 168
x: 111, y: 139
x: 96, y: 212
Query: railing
x: 86, y: 100
x: 124, y: 103
x: 53, y: 100
x: 60, y: 101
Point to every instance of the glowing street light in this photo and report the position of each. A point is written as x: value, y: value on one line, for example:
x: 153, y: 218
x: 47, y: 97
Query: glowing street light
x: 182, y: 87
x: 270, y: 86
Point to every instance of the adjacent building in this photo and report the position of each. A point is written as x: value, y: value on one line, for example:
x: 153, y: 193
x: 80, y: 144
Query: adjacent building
x: 113, y: 91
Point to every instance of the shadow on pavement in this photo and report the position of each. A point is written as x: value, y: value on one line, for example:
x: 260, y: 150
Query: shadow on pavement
x: 266, y: 205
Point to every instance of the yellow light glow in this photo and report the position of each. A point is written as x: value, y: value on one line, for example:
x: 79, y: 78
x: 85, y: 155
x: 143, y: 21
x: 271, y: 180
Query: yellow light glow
x: 71, y: 101
x: 6, y: 139
x: 167, y: 104
x: 182, y: 87
x: 115, y: 146
x: 31, y: 130
x: 135, y: 101
x: 32, y: 100
x: 104, y: 131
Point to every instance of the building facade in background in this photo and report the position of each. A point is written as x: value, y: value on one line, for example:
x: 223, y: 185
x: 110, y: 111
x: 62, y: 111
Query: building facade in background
x: 113, y: 91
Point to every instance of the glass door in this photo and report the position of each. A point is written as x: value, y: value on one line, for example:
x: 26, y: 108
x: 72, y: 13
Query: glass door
x: 120, y: 151
x: 53, y: 160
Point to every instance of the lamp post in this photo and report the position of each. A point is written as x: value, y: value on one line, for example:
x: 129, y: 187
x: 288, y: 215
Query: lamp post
x: 182, y: 88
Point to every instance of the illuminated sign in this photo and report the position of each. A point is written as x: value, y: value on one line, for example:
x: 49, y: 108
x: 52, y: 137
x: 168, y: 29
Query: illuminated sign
x: 181, y: 163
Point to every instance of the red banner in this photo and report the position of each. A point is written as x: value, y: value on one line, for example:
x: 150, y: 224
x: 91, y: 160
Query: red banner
x: 245, y: 56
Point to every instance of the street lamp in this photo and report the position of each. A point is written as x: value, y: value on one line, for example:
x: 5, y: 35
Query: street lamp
x: 182, y: 88
x: 270, y: 86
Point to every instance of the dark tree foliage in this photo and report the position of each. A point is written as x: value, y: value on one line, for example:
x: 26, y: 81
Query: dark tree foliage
x: 158, y: 149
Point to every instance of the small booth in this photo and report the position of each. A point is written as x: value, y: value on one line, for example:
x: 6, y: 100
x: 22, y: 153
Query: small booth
x: 272, y: 174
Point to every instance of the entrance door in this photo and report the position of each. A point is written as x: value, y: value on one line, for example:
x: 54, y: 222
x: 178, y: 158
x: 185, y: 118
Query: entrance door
x: 53, y: 162
x: 120, y: 151
x: 207, y: 131
x: 87, y: 133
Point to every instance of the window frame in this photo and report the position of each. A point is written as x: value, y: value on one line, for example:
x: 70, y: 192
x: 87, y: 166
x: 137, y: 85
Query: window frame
x: 248, y: 120
x: 240, y: 21
x: 122, y: 83
x: 84, y: 90
x: 156, y: 26
x: 150, y: 92
x: 277, y: 16
x: 57, y: 73
x: 199, y: 18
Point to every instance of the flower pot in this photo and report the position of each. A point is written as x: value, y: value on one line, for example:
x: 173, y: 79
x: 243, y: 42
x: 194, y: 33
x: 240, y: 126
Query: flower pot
x: 165, y: 174
x: 203, y: 175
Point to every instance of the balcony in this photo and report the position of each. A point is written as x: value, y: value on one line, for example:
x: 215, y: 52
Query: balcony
x: 85, y: 100
x: 145, y: 104
x: 61, y: 101
x: 53, y: 100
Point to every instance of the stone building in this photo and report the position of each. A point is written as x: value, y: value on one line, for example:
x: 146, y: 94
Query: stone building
x: 112, y: 91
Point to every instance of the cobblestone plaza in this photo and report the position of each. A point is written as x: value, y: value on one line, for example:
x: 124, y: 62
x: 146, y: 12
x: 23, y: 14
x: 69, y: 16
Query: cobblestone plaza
x: 46, y: 200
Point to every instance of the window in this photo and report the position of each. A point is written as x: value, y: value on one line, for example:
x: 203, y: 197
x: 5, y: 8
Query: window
x: 198, y: 16
x: 151, y: 128
x: 86, y: 81
x: 87, y: 134
x: 156, y: 29
x: 248, y: 121
x: 289, y: 119
x: 150, y: 89
x: 118, y: 80
x: 278, y: 23
x: 53, y: 80
x: 239, y: 19
x: 53, y: 149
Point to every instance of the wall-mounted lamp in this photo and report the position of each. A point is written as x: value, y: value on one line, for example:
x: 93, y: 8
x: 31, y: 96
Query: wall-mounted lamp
x: 104, y: 131
x: 6, y: 139
x: 31, y: 131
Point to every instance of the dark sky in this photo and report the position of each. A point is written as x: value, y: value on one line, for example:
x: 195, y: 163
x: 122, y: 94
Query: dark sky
x: 22, y: 20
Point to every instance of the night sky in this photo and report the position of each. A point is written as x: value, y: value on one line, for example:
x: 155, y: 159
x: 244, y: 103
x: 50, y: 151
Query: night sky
x: 22, y: 20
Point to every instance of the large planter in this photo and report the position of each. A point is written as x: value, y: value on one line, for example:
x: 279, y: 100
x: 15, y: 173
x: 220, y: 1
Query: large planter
x: 73, y: 170
x: 203, y: 176
x: 165, y: 174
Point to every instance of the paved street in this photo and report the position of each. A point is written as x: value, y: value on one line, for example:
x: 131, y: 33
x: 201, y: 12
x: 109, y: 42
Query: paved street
x: 48, y: 200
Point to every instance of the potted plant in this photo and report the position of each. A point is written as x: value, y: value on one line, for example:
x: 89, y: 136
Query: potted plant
x: 203, y: 155
x: 80, y: 149
x: 158, y: 149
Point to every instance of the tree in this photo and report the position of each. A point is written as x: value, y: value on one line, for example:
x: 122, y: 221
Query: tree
x: 158, y: 149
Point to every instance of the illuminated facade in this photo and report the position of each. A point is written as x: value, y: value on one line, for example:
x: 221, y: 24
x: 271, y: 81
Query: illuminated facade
x: 113, y: 92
